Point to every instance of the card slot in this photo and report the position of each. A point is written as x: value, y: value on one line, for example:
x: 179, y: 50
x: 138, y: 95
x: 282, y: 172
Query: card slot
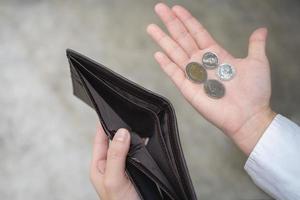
x: 110, y: 76
x: 161, y: 186
x: 101, y: 76
x: 117, y: 92
x: 147, y: 188
x: 141, y: 158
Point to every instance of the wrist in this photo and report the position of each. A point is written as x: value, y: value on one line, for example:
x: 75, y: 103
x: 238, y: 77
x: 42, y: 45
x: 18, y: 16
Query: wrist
x: 251, y: 131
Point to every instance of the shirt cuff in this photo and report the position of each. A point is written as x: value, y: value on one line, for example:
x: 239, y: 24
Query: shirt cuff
x: 274, y: 163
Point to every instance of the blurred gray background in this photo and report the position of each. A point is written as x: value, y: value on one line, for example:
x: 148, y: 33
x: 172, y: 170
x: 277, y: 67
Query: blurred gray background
x: 46, y: 133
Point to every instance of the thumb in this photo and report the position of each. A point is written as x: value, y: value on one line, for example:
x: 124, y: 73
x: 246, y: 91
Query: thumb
x: 257, y: 44
x: 116, y: 160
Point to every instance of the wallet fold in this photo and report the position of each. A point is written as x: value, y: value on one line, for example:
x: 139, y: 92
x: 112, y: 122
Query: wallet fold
x: 155, y: 162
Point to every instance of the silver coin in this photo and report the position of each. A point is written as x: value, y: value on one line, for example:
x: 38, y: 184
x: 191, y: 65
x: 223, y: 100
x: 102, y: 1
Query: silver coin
x: 225, y: 72
x: 210, y: 60
x: 196, y: 72
x: 214, y: 89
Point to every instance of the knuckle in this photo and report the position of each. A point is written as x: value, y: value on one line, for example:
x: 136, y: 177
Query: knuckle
x: 171, y: 21
x: 162, y: 39
x: 109, y: 184
x: 181, y: 35
x: 176, y: 53
x: 115, y: 152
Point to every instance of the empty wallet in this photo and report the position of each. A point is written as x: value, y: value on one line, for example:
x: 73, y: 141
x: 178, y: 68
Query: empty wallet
x: 155, y: 163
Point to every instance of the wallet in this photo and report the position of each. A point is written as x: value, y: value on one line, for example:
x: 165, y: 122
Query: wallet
x: 155, y: 163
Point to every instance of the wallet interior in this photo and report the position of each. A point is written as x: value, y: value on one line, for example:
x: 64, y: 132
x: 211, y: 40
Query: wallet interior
x: 151, y: 162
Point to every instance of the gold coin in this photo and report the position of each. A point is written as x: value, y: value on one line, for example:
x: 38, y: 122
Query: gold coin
x: 196, y: 72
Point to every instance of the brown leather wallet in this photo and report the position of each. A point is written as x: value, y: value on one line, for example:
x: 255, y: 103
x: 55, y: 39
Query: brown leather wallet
x: 155, y: 163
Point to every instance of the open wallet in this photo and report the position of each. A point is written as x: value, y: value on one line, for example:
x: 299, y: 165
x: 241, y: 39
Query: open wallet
x: 155, y: 163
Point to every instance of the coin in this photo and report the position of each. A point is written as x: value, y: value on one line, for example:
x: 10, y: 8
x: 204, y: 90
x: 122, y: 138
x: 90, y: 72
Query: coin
x: 210, y: 60
x: 214, y: 89
x: 225, y: 72
x: 196, y: 72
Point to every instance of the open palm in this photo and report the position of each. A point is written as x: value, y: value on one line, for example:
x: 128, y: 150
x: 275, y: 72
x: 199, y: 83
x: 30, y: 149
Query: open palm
x: 247, y: 94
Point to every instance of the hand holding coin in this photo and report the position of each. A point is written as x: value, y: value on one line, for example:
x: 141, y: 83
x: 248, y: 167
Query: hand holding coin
x: 243, y: 112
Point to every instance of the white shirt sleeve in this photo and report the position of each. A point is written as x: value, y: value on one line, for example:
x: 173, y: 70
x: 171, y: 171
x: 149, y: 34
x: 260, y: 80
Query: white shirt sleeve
x: 274, y: 163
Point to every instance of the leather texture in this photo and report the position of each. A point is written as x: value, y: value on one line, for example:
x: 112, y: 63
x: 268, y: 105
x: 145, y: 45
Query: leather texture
x: 155, y: 163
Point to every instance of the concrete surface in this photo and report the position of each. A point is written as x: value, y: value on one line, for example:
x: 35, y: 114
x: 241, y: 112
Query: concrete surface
x: 46, y: 133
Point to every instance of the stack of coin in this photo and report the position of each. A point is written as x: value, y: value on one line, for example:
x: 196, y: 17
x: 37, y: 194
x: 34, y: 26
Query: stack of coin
x: 198, y: 74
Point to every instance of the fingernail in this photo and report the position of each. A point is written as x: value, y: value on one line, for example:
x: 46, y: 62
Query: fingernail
x: 121, y: 135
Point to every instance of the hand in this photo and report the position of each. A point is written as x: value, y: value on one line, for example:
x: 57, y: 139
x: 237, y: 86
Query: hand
x: 244, y: 112
x: 108, y: 167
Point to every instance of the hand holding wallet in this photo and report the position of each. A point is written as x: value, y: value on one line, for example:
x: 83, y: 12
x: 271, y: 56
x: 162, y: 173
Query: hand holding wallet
x: 155, y: 163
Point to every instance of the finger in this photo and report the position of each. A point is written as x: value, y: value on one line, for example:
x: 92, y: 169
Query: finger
x: 174, y: 51
x: 257, y: 44
x: 176, y: 28
x: 171, y: 69
x: 201, y: 35
x: 186, y: 87
x: 99, y: 151
x: 116, y: 159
